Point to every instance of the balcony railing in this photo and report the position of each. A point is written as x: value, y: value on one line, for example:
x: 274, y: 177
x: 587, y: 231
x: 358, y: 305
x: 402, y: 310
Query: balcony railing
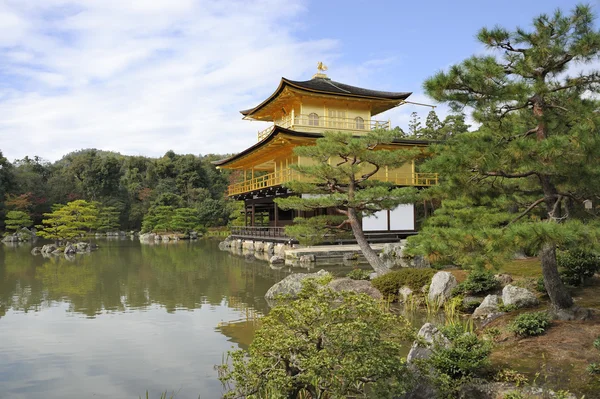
x: 285, y: 175
x: 324, y: 123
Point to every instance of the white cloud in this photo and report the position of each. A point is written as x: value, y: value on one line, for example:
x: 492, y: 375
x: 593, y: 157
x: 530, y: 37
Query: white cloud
x: 142, y: 77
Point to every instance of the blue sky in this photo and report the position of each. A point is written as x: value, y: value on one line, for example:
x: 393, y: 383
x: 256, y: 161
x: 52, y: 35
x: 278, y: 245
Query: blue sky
x: 143, y: 77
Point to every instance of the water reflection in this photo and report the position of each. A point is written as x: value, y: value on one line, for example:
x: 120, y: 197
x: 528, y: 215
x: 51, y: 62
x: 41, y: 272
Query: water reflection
x: 125, y: 318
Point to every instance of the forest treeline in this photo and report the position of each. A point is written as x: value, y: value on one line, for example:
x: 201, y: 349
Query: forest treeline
x: 132, y: 185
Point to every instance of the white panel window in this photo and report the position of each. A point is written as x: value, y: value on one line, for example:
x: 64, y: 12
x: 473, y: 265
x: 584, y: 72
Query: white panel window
x: 375, y: 222
x: 403, y: 217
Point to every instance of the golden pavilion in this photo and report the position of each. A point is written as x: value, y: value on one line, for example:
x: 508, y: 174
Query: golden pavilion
x: 300, y: 111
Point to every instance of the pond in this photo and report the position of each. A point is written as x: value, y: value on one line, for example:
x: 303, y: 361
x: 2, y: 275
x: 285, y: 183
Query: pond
x: 125, y: 319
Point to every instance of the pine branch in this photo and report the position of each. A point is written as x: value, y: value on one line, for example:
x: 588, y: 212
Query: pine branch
x: 510, y: 175
x: 526, y: 211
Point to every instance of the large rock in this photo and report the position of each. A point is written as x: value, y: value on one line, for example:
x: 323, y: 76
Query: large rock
x: 248, y: 246
x: 292, y: 284
x: 490, y: 305
x: 427, y: 336
x: 224, y: 245
x: 393, y: 249
x: 358, y: 286
x: 70, y: 249
x: 519, y: 297
x: 11, y: 238
x: 276, y: 260
x: 49, y: 248
x: 441, y: 286
x: 307, y: 258
x: 36, y: 251
x: 405, y: 292
x: 503, y: 279
x: 269, y: 247
x: 82, y: 247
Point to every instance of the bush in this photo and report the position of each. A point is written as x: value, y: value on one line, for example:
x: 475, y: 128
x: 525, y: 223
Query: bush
x: 334, y: 344
x: 359, y: 274
x: 464, y: 357
x: 390, y: 283
x: 529, y: 324
x: 576, y: 266
x: 477, y: 282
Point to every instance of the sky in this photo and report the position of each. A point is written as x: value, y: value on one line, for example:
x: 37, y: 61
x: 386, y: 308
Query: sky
x: 141, y: 77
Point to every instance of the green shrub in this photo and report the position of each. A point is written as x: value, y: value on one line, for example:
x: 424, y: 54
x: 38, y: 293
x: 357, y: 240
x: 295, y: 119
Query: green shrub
x: 359, y: 274
x: 539, y: 285
x: 529, y: 324
x: 464, y: 357
x: 477, y: 282
x: 593, y: 368
x: 390, y: 283
x: 507, y: 308
x: 576, y: 266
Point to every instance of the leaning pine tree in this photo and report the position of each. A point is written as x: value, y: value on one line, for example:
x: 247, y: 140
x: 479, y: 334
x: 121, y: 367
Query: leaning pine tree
x: 341, y: 178
x: 523, y: 180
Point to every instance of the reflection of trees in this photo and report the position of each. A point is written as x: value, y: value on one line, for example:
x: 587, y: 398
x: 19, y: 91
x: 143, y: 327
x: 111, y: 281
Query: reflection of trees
x: 125, y: 274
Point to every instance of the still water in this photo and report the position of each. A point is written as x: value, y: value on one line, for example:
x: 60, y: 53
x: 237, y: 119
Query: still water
x: 125, y: 319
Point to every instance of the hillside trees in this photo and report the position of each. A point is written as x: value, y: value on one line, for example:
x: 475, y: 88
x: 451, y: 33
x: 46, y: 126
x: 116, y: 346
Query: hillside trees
x: 127, y: 187
x: 521, y: 180
x: 341, y: 179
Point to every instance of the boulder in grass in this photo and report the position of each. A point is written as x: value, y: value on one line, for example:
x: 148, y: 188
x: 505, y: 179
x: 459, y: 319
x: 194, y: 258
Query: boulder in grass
x: 358, y: 286
x: 490, y: 305
x: 427, y: 336
x: 519, y: 297
x: 292, y: 284
x: 441, y: 286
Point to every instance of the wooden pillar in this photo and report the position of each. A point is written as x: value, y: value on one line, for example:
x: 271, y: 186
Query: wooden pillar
x: 252, y: 215
x: 276, y: 213
x: 389, y: 222
x: 245, y: 214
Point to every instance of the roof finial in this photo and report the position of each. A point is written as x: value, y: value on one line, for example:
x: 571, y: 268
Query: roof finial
x: 320, y: 68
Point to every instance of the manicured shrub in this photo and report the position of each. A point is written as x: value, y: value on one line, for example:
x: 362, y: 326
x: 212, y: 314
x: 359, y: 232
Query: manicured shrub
x: 576, y: 266
x: 465, y: 356
x: 529, y: 324
x: 359, y: 274
x: 477, y: 282
x: 390, y: 283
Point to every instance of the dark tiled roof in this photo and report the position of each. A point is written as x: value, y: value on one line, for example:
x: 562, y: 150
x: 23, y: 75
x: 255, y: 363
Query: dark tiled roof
x: 328, y: 86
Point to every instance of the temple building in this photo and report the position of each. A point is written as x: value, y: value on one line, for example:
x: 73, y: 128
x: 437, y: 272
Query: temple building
x: 300, y: 111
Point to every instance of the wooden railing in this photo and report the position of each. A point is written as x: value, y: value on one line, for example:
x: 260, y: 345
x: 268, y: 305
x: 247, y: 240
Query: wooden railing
x: 257, y: 231
x: 324, y: 123
x: 285, y: 175
x: 264, y: 181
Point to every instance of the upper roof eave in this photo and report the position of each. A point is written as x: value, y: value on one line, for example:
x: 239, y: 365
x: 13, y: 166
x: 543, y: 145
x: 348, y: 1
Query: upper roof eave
x: 329, y: 87
x: 278, y: 129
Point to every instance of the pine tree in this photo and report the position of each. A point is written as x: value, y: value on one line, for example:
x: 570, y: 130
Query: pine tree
x: 414, y: 125
x: 108, y: 218
x: 521, y: 180
x: 185, y: 220
x: 341, y: 177
x: 16, y: 220
x: 69, y: 221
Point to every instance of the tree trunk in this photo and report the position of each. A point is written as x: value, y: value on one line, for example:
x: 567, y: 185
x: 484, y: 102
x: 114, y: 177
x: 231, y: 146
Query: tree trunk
x: 371, y: 256
x: 558, y: 293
